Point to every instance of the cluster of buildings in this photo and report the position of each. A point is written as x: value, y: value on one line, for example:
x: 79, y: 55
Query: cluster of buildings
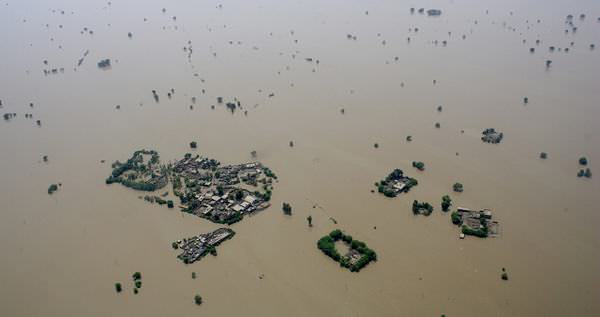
x: 490, y: 135
x: 215, y: 192
x: 226, y: 208
x: 395, y: 183
x: 105, y: 63
x: 195, y: 248
x: 476, y: 222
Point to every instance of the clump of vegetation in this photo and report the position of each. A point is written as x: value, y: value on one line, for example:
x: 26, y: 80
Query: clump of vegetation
x: 543, y: 155
x: 423, y: 208
x: 408, y: 138
x: 194, y: 275
x: 175, y: 245
x: 585, y: 173
x: 193, y: 144
x: 583, y: 161
x: 357, y: 258
x: 118, y: 287
x: 458, y: 187
x: 52, y: 189
x: 140, y: 175
x: 287, y: 209
x: 490, y: 135
x: 198, y: 299
x: 481, y: 232
x: 419, y: 165
x: 437, y: 125
x: 212, y: 250
x: 269, y: 173
x: 456, y: 218
x: 137, y: 281
x: 376, y: 145
x: 389, y: 185
x: 446, y: 202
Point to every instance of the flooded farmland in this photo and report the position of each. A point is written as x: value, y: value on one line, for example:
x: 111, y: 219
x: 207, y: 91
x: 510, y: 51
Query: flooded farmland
x: 332, y: 96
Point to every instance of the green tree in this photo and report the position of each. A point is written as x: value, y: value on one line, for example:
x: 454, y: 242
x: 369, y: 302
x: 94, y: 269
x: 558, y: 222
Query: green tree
x: 458, y: 187
x: 287, y: 209
x: 52, y: 189
x: 418, y: 165
x: 446, y: 202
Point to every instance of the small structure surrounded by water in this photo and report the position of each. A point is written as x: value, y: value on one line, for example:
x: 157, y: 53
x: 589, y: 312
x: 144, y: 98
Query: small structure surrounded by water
x: 490, y: 135
x: 434, y: 12
x: 477, y: 223
x: 104, y: 64
x: 196, y: 247
x: 395, y: 183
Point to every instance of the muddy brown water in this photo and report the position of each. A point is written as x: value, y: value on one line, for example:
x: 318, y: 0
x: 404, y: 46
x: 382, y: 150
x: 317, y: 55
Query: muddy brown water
x: 63, y: 253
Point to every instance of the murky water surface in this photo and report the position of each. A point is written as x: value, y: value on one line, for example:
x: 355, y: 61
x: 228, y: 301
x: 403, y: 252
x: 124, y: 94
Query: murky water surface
x: 63, y: 253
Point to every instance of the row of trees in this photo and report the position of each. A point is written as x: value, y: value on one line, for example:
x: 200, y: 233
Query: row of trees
x: 424, y: 208
x: 446, y: 202
x: 327, y: 245
x: 287, y: 209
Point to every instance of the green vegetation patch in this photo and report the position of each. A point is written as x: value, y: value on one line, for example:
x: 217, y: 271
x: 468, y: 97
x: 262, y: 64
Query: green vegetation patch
x: 139, y: 172
x: 52, y: 188
x: 422, y: 208
x: 418, y: 165
x: 357, y: 258
x: 395, y: 183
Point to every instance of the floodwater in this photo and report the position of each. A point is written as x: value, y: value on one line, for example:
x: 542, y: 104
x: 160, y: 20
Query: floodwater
x: 62, y: 253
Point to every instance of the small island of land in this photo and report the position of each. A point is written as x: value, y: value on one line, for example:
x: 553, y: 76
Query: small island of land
x: 490, y: 135
x: 358, y: 255
x: 195, y: 248
x: 395, y: 183
x: 475, y: 223
x: 205, y: 188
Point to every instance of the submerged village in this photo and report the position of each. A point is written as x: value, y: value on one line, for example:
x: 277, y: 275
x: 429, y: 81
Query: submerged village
x: 224, y: 194
x: 204, y: 187
x: 354, y: 118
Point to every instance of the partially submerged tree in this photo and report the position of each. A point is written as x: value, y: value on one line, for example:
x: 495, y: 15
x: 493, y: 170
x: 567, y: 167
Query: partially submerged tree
x: 446, y: 202
x: 287, y: 209
x: 458, y: 187
x: 52, y: 189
